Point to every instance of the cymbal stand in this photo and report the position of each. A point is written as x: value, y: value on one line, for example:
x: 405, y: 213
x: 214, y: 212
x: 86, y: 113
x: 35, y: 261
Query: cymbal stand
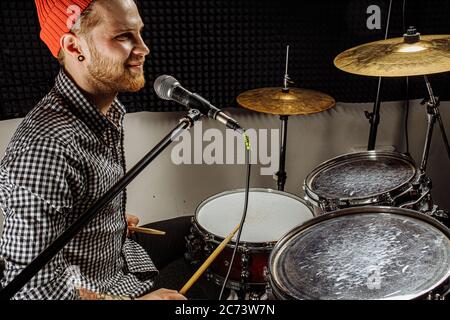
x: 281, y: 176
x: 433, y: 115
x: 374, y: 116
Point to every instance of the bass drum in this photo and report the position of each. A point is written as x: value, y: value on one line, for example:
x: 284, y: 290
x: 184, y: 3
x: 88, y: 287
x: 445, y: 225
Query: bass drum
x: 363, y: 253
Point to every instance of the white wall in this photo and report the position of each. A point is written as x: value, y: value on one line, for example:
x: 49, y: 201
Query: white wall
x: 165, y: 190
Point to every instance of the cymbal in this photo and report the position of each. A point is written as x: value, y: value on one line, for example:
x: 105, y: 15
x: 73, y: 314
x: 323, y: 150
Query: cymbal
x: 396, y: 58
x: 295, y: 102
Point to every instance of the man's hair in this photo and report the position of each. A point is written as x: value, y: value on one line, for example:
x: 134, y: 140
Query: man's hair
x: 86, y: 22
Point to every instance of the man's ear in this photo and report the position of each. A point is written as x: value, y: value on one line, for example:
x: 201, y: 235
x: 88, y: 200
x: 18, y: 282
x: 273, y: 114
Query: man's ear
x: 70, y: 43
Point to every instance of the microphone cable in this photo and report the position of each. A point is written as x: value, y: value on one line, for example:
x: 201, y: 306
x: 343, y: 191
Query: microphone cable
x: 244, y: 214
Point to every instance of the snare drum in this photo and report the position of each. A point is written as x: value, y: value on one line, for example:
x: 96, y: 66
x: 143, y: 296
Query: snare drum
x: 270, y: 215
x: 363, y: 253
x: 367, y: 178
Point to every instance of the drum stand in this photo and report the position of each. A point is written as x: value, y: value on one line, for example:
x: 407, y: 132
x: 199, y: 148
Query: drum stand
x: 280, y: 176
x: 432, y: 115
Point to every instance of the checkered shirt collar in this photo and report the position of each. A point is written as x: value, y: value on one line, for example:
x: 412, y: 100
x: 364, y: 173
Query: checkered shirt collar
x: 87, y: 111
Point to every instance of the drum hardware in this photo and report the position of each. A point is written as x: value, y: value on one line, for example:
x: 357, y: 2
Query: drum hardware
x: 438, y: 296
x: 208, y: 261
x: 280, y: 176
x: 433, y: 115
x: 422, y: 203
x: 441, y: 215
x: 256, y: 296
x: 367, y: 178
x: 285, y: 102
x: 410, y: 55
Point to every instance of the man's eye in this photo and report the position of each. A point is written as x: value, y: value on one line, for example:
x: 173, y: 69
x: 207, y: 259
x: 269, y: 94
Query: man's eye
x: 123, y: 36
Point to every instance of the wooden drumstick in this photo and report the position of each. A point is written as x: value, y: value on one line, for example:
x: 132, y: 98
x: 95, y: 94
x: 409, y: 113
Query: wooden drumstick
x: 146, y: 230
x: 208, y: 261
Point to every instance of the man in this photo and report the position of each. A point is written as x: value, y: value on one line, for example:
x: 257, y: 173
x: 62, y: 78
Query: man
x: 69, y: 151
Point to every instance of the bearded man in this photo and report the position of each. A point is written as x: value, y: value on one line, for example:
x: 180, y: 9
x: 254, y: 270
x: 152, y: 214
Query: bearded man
x: 68, y: 151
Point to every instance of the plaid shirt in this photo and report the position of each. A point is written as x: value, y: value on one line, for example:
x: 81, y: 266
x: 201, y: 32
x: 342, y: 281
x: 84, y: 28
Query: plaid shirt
x: 64, y: 156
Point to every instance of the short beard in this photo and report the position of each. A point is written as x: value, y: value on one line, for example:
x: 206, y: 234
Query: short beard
x: 111, y: 75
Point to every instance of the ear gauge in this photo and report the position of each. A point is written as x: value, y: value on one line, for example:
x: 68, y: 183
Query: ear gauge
x: 81, y: 58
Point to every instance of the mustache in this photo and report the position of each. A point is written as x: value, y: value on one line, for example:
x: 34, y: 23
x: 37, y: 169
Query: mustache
x: 135, y: 62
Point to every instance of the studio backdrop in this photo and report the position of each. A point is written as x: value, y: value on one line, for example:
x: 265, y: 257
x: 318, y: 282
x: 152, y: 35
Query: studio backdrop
x: 221, y: 48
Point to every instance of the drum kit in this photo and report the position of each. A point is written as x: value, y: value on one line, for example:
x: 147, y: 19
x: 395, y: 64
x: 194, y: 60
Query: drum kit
x: 367, y: 228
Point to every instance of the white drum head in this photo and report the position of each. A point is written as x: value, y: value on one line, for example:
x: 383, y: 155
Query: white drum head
x: 270, y: 214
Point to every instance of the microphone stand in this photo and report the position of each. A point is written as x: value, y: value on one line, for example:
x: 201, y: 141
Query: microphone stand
x: 47, y: 254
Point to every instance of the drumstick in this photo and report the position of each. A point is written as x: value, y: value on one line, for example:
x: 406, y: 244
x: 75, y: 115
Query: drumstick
x: 146, y: 230
x: 208, y: 261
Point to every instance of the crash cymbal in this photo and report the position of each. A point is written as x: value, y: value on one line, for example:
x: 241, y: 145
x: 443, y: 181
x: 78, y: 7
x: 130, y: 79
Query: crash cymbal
x: 275, y: 101
x: 397, y: 58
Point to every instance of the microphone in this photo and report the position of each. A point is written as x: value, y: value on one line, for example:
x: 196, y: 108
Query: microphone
x: 168, y: 88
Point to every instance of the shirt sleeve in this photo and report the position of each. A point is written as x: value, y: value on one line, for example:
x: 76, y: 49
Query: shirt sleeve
x: 35, y: 198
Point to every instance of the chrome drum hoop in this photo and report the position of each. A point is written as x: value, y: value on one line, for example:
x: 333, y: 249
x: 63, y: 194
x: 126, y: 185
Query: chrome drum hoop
x: 437, y: 290
x: 326, y: 202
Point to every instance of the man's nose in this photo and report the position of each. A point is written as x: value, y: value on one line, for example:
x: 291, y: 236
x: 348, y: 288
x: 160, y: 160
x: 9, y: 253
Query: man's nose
x: 141, y: 48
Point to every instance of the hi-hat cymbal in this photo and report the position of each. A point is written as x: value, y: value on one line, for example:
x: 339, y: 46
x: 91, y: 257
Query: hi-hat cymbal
x: 295, y: 102
x: 396, y: 58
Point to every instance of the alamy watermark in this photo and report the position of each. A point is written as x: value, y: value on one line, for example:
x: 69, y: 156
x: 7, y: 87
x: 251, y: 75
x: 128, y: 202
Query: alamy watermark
x: 212, y: 146
x: 374, y: 20
x: 73, y: 20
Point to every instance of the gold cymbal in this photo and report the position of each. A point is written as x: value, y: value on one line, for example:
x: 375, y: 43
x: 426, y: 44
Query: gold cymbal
x: 295, y: 102
x: 396, y: 58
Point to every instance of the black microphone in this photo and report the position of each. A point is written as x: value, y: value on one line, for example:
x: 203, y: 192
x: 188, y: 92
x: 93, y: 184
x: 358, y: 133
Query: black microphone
x: 168, y: 88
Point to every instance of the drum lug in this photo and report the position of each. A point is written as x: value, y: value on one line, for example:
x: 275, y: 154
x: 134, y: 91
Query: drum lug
x: 330, y: 205
x: 245, y: 262
x: 268, y: 288
x: 207, y: 237
x: 209, y: 276
x: 434, y: 296
x: 244, y: 249
x: 269, y: 245
x: 245, y: 259
x: 208, y: 248
x: 266, y: 273
x: 194, y: 246
x: 244, y: 276
x: 386, y: 199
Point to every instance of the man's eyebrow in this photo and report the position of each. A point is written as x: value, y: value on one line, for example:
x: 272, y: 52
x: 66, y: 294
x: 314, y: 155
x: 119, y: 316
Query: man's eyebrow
x: 128, y: 29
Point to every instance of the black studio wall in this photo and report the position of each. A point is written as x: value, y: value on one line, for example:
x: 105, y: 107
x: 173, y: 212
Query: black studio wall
x: 220, y: 48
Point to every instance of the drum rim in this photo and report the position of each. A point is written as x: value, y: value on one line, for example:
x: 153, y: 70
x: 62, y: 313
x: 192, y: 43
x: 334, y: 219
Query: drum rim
x: 218, y: 239
x: 350, y: 211
x: 372, y: 154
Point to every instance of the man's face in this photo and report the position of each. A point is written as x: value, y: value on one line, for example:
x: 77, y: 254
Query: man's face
x: 117, y: 51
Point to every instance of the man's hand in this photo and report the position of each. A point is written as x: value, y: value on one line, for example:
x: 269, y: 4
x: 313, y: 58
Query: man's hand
x: 163, y: 294
x: 132, y: 221
x: 160, y: 294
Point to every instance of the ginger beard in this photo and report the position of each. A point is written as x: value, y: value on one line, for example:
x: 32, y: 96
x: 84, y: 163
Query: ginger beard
x: 113, y: 75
